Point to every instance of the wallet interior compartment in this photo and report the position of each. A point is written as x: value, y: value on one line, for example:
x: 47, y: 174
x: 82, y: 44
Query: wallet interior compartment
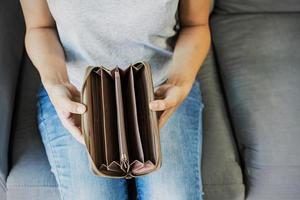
x: 96, y: 142
x: 141, y: 86
x: 123, y: 149
x: 135, y: 148
x: 109, y: 120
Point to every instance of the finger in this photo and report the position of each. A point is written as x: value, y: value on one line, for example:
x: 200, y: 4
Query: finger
x: 77, y: 120
x: 73, y: 118
x: 76, y: 97
x: 66, y: 119
x: 67, y: 105
x: 160, y: 91
x: 69, y: 124
x: 158, y: 114
x: 66, y: 114
x: 74, y: 90
x: 75, y: 132
x: 171, y: 100
x: 161, y: 119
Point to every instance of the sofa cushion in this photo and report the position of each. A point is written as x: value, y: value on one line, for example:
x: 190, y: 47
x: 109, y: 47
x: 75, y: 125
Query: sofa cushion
x: 30, y: 167
x: 11, y: 48
x: 221, y: 171
x: 30, y: 177
x: 258, y: 56
x: 257, y: 6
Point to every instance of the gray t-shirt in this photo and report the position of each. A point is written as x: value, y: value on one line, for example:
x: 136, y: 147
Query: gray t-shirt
x: 116, y: 32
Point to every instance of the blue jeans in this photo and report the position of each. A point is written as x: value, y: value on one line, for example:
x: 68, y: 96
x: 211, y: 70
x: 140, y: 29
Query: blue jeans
x: 179, y: 177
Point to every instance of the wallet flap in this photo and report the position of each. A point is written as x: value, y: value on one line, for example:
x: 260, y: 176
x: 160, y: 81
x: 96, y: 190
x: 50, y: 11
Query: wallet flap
x: 109, y: 116
x: 131, y: 117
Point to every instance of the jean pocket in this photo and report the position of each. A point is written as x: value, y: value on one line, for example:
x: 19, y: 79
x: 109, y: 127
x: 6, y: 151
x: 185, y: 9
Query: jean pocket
x: 41, y: 92
x: 45, y: 108
x: 195, y: 92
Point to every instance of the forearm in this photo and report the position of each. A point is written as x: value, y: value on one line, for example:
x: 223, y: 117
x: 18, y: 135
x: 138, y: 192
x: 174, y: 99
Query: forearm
x: 190, y: 51
x: 46, y: 53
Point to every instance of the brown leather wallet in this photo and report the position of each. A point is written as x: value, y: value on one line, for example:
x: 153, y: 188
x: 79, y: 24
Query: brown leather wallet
x: 120, y: 131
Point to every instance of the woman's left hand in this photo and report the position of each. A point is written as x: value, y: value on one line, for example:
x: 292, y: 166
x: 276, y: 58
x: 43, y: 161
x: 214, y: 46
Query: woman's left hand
x: 168, y: 97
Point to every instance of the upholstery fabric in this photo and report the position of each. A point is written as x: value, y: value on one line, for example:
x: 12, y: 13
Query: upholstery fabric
x: 30, y: 176
x: 259, y: 59
x: 257, y: 6
x: 11, y: 48
x: 222, y: 176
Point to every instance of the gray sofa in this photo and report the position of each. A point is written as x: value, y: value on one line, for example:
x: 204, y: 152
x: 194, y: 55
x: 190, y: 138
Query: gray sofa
x: 250, y: 84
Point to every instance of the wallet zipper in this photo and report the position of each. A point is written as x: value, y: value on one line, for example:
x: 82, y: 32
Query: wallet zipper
x: 124, y: 161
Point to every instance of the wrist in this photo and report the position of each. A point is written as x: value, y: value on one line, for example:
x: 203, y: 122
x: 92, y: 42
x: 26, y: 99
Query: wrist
x: 181, y: 79
x: 48, y: 82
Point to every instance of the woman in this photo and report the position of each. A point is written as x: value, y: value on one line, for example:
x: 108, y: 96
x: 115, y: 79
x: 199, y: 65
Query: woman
x: 63, y: 37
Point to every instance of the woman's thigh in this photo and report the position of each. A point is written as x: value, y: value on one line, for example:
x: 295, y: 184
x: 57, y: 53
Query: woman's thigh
x: 69, y: 161
x: 179, y: 177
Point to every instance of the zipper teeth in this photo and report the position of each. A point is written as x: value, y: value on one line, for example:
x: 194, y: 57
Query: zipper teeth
x: 122, y: 144
x: 123, y: 157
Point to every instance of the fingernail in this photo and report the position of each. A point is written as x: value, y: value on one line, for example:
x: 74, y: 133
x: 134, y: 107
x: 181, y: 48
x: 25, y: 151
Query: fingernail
x: 81, y: 109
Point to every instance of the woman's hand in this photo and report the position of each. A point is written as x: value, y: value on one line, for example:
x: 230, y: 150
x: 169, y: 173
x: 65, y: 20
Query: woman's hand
x: 169, y: 96
x: 190, y: 50
x: 65, y: 98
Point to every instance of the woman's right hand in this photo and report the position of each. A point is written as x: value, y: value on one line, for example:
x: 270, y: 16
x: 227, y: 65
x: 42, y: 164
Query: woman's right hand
x: 65, y: 98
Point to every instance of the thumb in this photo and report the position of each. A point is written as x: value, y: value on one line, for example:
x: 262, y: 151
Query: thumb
x: 67, y: 105
x: 74, y: 91
x: 172, y: 96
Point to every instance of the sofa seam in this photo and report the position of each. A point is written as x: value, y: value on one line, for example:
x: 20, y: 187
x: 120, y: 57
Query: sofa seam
x: 223, y: 12
x: 37, y: 186
x: 218, y: 184
x: 3, y: 185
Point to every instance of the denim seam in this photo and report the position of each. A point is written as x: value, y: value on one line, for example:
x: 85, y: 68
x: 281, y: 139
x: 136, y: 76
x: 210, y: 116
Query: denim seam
x: 199, y: 98
x: 195, y: 151
x: 200, y: 130
x: 220, y: 184
x: 51, y: 148
x: 54, y: 159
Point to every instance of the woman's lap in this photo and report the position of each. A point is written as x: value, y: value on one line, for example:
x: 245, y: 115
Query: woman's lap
x: 178, y: 178
x: 181, y: 142
x: 69, y: 161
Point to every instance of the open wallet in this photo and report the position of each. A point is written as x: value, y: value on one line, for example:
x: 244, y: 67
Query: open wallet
x: 120, y: 130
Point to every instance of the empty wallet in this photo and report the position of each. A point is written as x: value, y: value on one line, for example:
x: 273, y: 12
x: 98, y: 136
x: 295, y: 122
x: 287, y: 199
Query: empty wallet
x: 120, y: 131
